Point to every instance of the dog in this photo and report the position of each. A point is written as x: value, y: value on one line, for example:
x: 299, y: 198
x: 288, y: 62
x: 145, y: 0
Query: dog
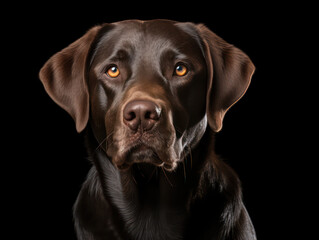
x: 150, y: 96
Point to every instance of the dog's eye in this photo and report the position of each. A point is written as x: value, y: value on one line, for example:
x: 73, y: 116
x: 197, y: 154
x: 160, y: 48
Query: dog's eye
x: 113, y: 71
x: 180, y: 70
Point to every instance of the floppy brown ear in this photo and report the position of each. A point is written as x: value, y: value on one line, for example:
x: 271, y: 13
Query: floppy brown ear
x: 63, y: 77
x: 229, y: 72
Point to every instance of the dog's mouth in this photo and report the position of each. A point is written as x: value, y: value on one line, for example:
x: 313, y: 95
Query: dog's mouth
x: 143, y: 153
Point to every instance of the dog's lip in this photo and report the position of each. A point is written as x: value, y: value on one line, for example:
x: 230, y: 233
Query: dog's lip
x: 141, y: 148
x: 138, y: 148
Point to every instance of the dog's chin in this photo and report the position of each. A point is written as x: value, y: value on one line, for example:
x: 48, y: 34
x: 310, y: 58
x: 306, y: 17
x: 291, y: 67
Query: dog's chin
x: 142, y: 154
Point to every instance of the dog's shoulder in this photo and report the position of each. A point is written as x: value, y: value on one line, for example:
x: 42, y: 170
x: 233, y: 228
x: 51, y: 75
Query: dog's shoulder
x: 93, y: 214
x: 219, y: 198
x: 217, y: 176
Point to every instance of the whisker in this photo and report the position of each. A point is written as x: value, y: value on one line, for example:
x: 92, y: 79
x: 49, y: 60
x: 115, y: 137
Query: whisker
x: 167, y: 178
x: 184, y: 170
x: 100, y: 144
x: 179, y: 131
x: 152, y: 174
x: 110, y: 134
x: 106, y: 138
x: 190, y: 155
x: 134, y: 180
x: 140, y: 171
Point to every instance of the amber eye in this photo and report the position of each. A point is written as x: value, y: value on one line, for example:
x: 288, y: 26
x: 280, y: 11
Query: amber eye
x: 181, y: 70
x: 113, y: 72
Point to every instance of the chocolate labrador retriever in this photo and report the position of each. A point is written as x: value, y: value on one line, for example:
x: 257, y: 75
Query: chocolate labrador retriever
x: 150, y: 95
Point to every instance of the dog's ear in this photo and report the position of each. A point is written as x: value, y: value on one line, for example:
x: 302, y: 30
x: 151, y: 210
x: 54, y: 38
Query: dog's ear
x: 229, y: 72
x: 64, y: 78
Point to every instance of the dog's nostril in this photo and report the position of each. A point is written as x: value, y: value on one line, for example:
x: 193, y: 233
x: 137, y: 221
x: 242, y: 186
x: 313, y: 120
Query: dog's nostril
x: 147, y: 115
x: 141, y: 113
x: 151, y: 115
x: 130, y: 116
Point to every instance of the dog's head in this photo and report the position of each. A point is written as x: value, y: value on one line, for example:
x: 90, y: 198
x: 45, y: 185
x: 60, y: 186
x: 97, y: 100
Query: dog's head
x: 148, y: 88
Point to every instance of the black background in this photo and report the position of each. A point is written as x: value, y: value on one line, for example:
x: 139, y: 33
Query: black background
x: 47, y: 162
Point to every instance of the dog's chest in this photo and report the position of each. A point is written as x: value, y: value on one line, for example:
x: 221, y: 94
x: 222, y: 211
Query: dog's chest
x: 156, y: 223
x: 149, y: 208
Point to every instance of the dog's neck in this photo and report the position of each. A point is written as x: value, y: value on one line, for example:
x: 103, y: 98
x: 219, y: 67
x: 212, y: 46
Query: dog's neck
x: 150, y: 200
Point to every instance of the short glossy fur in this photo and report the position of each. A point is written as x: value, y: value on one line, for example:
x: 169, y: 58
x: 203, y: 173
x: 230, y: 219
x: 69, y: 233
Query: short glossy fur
x: 154, y: 174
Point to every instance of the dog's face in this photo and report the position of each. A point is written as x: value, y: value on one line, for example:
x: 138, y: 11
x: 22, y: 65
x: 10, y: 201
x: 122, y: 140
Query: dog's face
x: 146, y: 86
x: 149, y: 88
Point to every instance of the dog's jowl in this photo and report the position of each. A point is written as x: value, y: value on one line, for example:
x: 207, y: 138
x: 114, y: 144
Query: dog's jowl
x: 150, y: 95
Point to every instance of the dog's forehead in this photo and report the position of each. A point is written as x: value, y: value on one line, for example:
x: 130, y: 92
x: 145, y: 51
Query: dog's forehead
x: 154, y: 35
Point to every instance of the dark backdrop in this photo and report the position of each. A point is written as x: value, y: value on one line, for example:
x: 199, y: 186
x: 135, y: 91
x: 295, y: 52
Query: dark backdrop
x: 48, y: 163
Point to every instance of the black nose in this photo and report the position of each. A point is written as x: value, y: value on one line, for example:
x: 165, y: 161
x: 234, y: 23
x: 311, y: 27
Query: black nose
x: 142, y: 113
